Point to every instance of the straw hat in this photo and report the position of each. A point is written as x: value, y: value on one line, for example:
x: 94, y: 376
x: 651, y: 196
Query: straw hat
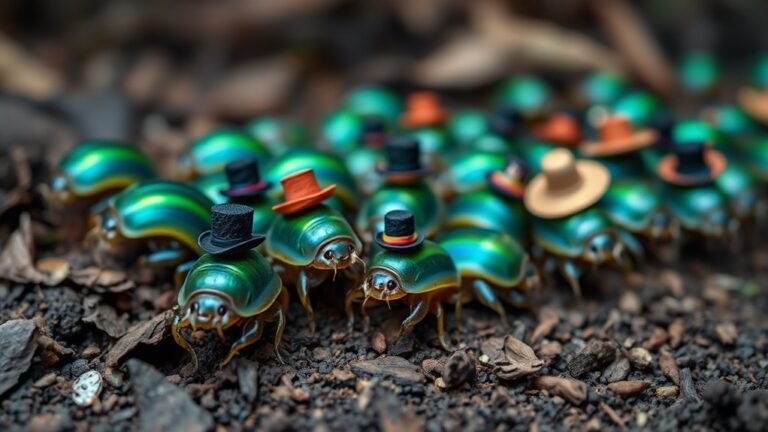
x: 423, y: 109
x: 616, y: 136
x: 301, y: 192
x: 692, y: 164
x: 565, y: 185
x: 755, y: 103
x: 559, y: 128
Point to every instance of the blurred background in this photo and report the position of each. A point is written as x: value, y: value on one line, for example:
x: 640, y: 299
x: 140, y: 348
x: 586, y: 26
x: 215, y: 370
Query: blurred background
x: 169, y: 70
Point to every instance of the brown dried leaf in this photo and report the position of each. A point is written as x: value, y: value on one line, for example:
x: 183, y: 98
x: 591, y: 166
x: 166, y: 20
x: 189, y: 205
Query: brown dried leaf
x: 548, y: 320
x: 102, y: 280
x: 629, y: 388
x: 726, y: 333
x: 104, y: 317
x: 615, y: 417
x: 466, y: 60
x: 149, y: 332
x: 24, y: 74
x: 658, y: 338
x: 517, y: 360
x: 572, y: 390
x: 669, y: 366
x: 676, y: 332
x: 17, y: 258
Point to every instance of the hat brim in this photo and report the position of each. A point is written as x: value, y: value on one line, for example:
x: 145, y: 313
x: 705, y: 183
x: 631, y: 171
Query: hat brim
x: 386, y: 172
x: 667, y: 169
x: 431, y: 118
x: 542, y: 202
x: 638, y: 140
x: 415, y: 243
x: 755, y: 103
x: 247, y: 191
x: 204, y: 240
x: 297, y: 205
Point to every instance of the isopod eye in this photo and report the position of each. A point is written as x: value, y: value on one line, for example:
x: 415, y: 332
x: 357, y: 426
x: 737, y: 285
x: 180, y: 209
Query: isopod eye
x: 391, y: 285
x: 222, y: 310
x: 351, y: 248
x: 328, y: 255
x: 193, y: 307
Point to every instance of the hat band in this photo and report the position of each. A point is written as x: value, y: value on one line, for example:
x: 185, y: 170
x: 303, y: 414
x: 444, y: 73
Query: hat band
x: 221, y: 242
x: 509, y: 186
x: 399, y: 240
x: 248, y: 188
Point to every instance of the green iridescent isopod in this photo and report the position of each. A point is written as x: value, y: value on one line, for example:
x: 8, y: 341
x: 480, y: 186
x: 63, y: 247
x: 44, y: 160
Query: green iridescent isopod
x: 213, y: 151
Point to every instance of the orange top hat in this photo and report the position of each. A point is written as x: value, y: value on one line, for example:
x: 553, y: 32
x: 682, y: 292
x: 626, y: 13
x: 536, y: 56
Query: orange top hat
x: 301, y: 192
x: 559, y: 128
x: 616, y: 136
x: 423, y: 109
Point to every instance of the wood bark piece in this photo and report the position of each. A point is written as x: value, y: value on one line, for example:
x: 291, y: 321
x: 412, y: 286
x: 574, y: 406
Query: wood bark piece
x: 150, y: 332
x: 18, y: 346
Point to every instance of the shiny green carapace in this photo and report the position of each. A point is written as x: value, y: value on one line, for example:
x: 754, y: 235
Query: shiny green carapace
x: 424, y: 269
x: 213, y: 151
x: 528, y: 95
x: 570, y: 236
x: 466, y: 126
x: 418, y: 198
x: 374, y: 101
x: 701, y: 209
x: 94, y: 168
x: 341, y: 131
x: 278, y: 135
x: 489, y: 210
x: 467, y: 171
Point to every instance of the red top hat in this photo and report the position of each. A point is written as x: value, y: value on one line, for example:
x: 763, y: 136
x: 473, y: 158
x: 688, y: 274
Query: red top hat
x: 423, y: 109
x: 301, y: 192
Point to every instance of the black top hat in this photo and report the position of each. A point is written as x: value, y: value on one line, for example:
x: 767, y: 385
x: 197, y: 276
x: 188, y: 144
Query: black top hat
x: 244, y: 179
x: 692, y: 163
x: 506, y: 122
x: 374, y: 131
x: 399, y: 231
x: 403, y: 157
x: 230, y: 232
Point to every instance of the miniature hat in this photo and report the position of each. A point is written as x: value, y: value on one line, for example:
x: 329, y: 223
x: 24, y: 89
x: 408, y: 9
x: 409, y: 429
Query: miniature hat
x: 230, y: 231
x: 399, y: 231
x: 374, y: 132
x: 423, y: 109
x: 692, y: 164
x: 755, y: 103
x: 510, y: 181
x: 559, y: 128
x: 301, y: 192
x: 244, y: 179
x: 506, y: 122
x: 403, y: 158
x: 565, y: 185
x: 617, y: 136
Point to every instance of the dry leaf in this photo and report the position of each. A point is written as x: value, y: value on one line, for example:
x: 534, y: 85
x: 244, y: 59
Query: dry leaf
x: 613, y: 415
x: 676, y: 332
x: 548, y: 320
x: 466, y: 60
x: 149, y: 332
x: 726, y: 333
x: 515, y: 360
x: 24, y: 74
x: 629, y: 388
x: 17, y: 258
x: 669, y: 366
x: 572, y: 390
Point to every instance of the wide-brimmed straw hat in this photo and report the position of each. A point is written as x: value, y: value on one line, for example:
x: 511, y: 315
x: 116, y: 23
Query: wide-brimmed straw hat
x: 559, y: 128
x: 230, y: 231
x: 565, y: 186
x: 301, y: 192
x: 423, y: 109
x: 616, y: 136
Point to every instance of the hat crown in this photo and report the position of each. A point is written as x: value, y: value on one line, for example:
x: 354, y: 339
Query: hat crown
x: 300, y: 184
x: 243, y: 173
x: 230, y: 222
x: 559, y: 168
x: 403, y: 154
x: 399, y: 223
x: 690, y: 158
x: 505, y: 122
x: 423, y: 109
x: 615, y: 128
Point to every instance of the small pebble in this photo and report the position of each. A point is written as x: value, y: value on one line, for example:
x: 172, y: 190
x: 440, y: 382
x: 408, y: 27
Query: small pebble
x: 379, y: 342
x: 45, y: 380
x: 91, y: 351
x: 640, y: 357
x: 667, y: 391
x: 86, y: 388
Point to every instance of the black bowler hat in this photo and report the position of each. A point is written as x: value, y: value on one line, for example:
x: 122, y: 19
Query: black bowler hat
x: 244, y: 179
x: 692, y: 163
x: 230, y: 231
x: 403, y: 157
x: 399, y: 231
x: 506, y: 122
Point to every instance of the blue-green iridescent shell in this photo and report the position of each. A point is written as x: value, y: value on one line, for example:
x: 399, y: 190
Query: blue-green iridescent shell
x: 340, y: 132
x: 374, y: 101
x: 426, y: 268
x: 468, y: 172
x: 603, y: 88
x: 485, y: 254
x: 213, y: 151
x: 692, y: 206
x: 212, y: 185
x: 631, y: 204
x: 247, y: 280
x: 532, y: 151
x: 569, y: 236
x: 527, y: 94
x: 278, y: 134
x: 493, y: 143
x: 466, y: 126
x: 162, y: 209
x: 329, y: 169
x: 432, y: 140
x: 94, y: 167
x: 699, y: 72
x: 420, y: 199
x: 759, y: 71
x: 296, y: 239
x: 629, y: 165
x: 741, y: 189
x: 362, y: 163
x: 487, y: 209
x: 639, y: 107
